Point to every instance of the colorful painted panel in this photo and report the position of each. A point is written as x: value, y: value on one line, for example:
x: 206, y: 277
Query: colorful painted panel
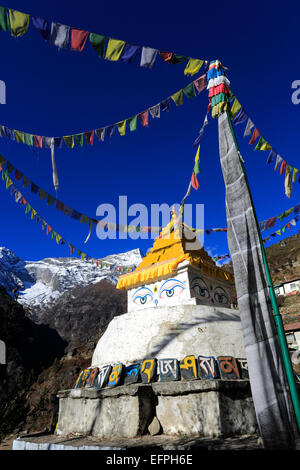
x: 102, y: 377
x: 132, y: 374
x: 228, y: 367
x: 207, y: 367
x: 115, y: 375
x: 189, y: 368
x: 168, y: 370
x: 90, y: 380
x: 148, y: 370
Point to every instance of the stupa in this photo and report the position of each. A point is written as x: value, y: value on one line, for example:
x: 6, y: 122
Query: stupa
x: 176, y: 356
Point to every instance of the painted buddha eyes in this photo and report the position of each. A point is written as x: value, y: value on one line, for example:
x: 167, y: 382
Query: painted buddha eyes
x: 200, y: 287
x: 142, y: 296
x: 220, y: 296
x: 170, y: 288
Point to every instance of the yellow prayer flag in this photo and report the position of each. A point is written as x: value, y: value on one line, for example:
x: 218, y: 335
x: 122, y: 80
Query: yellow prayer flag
x: 278, y: 232
x: 177, y: 98
x: 33, y: 214
x: 122, y: 127
x: 266, y: 146
x: 193, y: 66
x: 19, y: 136
x: 8, y: 182
x: 58, y: 238
x: 19, y: 23
x: 114, y: 49
x: 295, y: 175
x: 235, y: 107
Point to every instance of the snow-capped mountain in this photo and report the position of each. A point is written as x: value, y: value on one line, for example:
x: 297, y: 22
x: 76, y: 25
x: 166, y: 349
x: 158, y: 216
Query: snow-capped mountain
x: 40, y: 283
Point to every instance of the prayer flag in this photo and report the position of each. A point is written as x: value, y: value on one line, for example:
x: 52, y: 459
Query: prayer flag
x: 79, y: 139
x: 144, y: 118
x: 295, y: 175
x: 89, y: 137
x: 177, y: 59
x: 122, y: 127
x: 69, y: 140
x: 255, y: 134
x: 129, y: 53
x: 155, y: 111
x: 19, y: 136
x: 178, y: 98
x: 271, y: 156
x: 193, y: 66
x: 100, y: 134
x: 196, y: 166
x: 277, y: 163
x: 114, y: 49
x: 189, y: 91
x: 110, y: 130
x: 235, y: 107
x: 165, y: 104
x: 194, y: 181
x: 78, y: 39
x: 166, y: 56
x: 148, y: 57
x: 249, y: 127
x: 98, y: 43
x: 283, y: 165
x: 38, y: 141
x: 42, y: 26
x: 59, y: 35
x: 4, y: 21
x: 19, y: 23
x: 200, y: 83
x: 132, y: 123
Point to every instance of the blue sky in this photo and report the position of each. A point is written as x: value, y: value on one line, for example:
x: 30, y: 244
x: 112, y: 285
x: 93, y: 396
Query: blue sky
x: 60, y: 92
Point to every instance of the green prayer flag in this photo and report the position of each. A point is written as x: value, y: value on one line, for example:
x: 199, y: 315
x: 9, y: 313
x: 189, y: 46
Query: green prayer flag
x: 28, y: 208
x: 79, y: 139
x: 9, y: 168
x: 177, y: 98
x: 177, y: 59
x: 28, y: 139
x: 43, y: 194
x: 220, y: 98
x: 260, y: 143
x: 4, y: 21
x: 84, y: 219
x: 53, y: 234
x: 50, y: 200
x: 98, y: 43
x: 190, y: 91
x: 132, y: 123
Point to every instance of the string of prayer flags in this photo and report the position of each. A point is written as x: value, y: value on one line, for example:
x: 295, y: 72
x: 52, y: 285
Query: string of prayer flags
x: 76, y: 140
x: 240, y: 115
x: 19, y: 198
x: 63, y: 36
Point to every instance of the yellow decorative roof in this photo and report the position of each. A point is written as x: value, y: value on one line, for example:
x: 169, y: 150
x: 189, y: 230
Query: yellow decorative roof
x: 169, y: 250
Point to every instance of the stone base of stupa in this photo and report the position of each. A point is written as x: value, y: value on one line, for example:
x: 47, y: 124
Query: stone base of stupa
x: 204, y: 408
x: 219, y: 404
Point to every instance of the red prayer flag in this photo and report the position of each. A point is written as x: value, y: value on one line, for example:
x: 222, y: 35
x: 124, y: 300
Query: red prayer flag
x: 215, y: 90
x: 78, y: 39
x: 18, y: 175
x: 255, y: 134
x: 89, y: 135
x: 288, y: 225
x: 23, y: 201
x: 166, y: 56
x: 71, y: 249
x: 48, y: 229
x: 144, y: 117
x: 283, y: 165
x: 194, y: 181
x: 200, y: 83
x: 59, y: 206
x: 38, y: 141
